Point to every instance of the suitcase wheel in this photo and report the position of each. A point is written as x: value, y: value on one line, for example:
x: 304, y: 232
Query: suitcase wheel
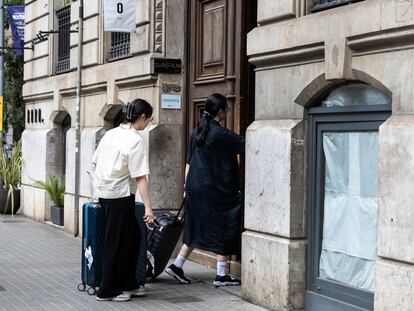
x: 81, y: 287
x: 91, y: 291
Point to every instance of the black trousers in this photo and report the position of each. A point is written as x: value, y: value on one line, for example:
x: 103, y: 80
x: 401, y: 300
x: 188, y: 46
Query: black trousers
x: 122, y: 238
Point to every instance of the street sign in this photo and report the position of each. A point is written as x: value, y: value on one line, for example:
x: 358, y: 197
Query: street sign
x: 170, y: 101
x: 120, y: 15
x: 167, y: 65
x: 1, y: 113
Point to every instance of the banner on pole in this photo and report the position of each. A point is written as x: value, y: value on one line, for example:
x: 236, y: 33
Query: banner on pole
x: 16, y: 20
x: 120, y: 15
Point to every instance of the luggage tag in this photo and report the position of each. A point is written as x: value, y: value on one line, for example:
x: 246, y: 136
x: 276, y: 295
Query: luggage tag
x: 88, y: 256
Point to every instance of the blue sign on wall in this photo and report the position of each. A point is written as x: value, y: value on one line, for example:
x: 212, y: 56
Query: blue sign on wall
x: 16, y: 20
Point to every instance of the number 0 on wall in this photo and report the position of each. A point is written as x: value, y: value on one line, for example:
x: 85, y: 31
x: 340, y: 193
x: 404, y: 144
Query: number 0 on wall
x: 119, y: 15
x: 120, y: 7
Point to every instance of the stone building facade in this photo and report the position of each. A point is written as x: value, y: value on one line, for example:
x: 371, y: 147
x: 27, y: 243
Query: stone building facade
x: 329, y: 161
x: 116, y: 69
x: 329, y: 171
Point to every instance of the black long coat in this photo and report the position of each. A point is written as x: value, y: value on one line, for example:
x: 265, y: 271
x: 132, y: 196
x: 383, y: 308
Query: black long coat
x: 213, y: 192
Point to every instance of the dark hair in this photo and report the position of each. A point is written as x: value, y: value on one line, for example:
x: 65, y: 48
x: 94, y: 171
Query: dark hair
x: 135, y: 109
x: 214, y: 104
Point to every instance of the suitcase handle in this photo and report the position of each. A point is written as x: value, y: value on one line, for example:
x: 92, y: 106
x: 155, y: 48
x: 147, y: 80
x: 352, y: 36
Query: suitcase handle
x: 154, y: 226
x: 179, y: 211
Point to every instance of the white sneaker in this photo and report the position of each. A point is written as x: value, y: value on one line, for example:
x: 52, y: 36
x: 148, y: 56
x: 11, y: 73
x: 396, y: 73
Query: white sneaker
x: 125, y: 296
x: 139, y: 292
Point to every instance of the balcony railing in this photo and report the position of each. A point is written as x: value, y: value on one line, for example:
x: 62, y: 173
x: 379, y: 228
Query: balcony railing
x: 319, y: 5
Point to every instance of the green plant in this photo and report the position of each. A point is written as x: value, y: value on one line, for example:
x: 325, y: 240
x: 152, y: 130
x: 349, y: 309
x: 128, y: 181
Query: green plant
x: 10, y: 171
x: 13, y: 85
x: 54, y: 188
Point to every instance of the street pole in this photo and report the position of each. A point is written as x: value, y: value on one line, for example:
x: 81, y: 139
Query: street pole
x: 78, y: 110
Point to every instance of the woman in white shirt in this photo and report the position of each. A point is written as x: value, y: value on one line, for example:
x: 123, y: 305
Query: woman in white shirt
x: 121, y: 168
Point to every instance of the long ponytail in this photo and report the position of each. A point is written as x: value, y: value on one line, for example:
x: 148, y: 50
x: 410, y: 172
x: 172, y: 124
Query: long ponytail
x: 214, y: 104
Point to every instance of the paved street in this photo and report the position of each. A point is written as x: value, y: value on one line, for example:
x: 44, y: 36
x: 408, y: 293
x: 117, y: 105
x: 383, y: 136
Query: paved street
x: 40, y: 270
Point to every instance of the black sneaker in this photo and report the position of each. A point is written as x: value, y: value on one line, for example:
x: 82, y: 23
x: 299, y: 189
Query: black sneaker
x: 226, y: 280
x: 178, y: 274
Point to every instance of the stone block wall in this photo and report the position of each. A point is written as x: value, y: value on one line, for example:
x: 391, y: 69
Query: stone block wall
x: 298, y: 56
x: 106, y: 87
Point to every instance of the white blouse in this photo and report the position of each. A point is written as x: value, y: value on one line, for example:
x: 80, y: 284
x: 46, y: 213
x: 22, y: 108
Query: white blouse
x: 120, y: 158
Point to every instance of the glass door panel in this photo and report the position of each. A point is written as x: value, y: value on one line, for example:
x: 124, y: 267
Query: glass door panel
x: 350, y: 208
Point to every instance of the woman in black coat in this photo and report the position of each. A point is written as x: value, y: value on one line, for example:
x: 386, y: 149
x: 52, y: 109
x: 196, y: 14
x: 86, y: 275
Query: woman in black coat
x: 213, y: 192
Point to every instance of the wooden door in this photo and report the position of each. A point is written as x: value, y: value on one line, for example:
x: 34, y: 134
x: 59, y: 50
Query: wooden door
x: 212, y: 56
x: 218, y: 62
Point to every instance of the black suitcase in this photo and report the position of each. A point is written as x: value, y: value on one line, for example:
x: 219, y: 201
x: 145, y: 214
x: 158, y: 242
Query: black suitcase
x: 94, y: 239
x: 163, y: 239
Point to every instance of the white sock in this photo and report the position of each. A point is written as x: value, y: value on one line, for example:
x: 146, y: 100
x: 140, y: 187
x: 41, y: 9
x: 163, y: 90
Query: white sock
x: 221, y: 268
x: 179, y: 261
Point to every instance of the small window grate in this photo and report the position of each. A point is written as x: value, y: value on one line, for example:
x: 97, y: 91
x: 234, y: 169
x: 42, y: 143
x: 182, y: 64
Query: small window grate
x: 63, y: 63
x: 319, y: 5
x: 120, y: 45
x: 34, y: 116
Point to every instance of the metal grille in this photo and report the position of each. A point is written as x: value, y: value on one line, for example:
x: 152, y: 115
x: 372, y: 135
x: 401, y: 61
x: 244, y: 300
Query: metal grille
x: 319, y: 5
x: 120, y: 45
x: 63, y: 17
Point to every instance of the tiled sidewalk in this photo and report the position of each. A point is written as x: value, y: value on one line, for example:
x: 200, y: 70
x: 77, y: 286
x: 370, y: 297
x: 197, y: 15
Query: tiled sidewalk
x: 40, y: 270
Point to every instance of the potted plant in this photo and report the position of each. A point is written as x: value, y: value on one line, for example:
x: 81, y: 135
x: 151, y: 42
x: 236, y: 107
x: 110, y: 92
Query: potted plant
x: 10, y: 171
x: 56, y: 191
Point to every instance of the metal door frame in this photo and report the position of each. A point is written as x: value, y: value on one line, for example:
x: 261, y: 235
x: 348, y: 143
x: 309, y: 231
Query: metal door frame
x: 321, y: 294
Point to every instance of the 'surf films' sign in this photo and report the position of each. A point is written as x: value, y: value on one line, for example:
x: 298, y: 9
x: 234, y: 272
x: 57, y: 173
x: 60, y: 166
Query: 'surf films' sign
x: 167, y: 65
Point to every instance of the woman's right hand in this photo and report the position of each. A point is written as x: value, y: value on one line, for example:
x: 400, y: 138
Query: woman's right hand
x: 142, y: 185
x: 149, y: 216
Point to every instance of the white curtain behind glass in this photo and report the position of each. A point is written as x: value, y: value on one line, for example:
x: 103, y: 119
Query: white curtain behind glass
x: 349, y: 245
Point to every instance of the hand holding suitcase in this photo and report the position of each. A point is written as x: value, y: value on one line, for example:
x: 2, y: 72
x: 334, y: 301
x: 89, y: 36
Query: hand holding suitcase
x: 163, y: 239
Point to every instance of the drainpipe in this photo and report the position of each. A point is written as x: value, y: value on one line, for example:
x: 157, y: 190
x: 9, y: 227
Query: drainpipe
x: 78, y: 110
